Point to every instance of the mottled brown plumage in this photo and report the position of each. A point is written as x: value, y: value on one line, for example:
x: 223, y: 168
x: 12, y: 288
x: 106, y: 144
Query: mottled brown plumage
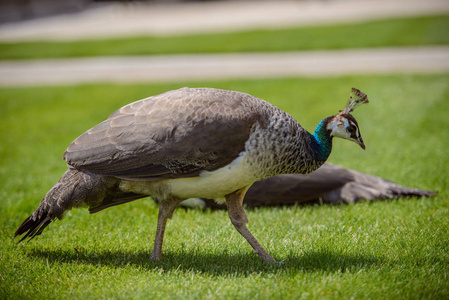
x: 176, y: 134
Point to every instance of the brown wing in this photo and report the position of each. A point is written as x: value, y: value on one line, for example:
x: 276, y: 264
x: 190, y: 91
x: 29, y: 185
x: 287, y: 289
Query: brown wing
x: 176, y: 134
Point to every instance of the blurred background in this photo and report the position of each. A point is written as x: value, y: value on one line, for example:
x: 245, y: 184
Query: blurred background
x: 265, y: 38
x: 20, y: 10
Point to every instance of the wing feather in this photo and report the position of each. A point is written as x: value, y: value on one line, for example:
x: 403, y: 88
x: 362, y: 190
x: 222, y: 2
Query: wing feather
x: 176, y: 134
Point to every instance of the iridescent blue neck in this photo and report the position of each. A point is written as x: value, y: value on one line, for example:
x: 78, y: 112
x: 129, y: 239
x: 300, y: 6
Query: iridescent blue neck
x: 322, y: 141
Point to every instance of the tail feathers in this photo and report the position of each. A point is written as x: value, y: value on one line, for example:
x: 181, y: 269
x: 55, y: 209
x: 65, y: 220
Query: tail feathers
x: 412, y: 192
x: 75, y: 189
x: 32, y: 227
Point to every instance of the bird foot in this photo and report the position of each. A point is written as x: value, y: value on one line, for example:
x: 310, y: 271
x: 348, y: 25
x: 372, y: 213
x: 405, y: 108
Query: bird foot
x: 155, y: 257
x: 265, y: 256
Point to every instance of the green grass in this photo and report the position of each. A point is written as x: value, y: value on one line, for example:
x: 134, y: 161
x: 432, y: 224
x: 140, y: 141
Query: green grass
x: 385, y: 33
x: 390, y: 250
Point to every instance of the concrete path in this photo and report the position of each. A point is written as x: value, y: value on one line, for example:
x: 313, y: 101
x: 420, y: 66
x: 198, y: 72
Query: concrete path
x: 119, y: 20
x: 219, y: 66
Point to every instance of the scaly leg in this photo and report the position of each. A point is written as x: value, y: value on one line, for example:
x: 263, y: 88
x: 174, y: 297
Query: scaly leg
x: 166, y: 209
x: 239, y: 219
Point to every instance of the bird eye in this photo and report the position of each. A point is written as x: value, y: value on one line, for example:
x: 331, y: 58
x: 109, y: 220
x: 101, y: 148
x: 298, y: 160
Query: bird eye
x: 351, y: 129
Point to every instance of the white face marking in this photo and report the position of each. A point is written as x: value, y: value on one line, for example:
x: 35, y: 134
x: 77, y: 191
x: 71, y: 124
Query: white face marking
x: 338, y: 128
x: 341, y: 127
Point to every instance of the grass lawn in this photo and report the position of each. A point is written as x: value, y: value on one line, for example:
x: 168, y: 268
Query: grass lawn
x: 384, y: 33
x: 390, y: 250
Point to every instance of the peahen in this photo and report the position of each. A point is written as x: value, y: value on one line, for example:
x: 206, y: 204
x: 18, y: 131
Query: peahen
x: 186, y: 143
x: 330, y: 184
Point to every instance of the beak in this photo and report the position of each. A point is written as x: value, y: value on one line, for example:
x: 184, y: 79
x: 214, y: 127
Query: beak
x: 360, y: 142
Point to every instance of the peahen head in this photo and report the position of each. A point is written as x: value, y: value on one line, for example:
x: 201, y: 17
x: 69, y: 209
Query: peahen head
x: 343, y: 124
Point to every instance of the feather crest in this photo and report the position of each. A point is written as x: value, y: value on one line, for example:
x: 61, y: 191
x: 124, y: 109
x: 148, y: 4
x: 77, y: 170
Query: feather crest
x: 355, y: 99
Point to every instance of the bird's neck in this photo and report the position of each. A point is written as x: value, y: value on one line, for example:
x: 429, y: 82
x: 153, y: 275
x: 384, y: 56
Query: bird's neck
x: 322, y: 141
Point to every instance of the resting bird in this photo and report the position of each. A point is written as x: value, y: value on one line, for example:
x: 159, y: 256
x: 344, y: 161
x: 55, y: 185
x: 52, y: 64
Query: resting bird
x: 330, y: 184
x: 189, y: 143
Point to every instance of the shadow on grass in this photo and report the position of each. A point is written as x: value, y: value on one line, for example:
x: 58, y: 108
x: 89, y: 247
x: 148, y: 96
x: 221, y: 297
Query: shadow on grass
x: 214, y: 264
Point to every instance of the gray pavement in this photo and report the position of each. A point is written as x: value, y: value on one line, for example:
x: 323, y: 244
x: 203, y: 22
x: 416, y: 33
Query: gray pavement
x: 219, y: 66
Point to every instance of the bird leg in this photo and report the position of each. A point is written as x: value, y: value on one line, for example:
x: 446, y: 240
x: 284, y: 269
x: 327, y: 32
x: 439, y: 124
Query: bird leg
x: 166, y: 209
x: 239, y: 219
